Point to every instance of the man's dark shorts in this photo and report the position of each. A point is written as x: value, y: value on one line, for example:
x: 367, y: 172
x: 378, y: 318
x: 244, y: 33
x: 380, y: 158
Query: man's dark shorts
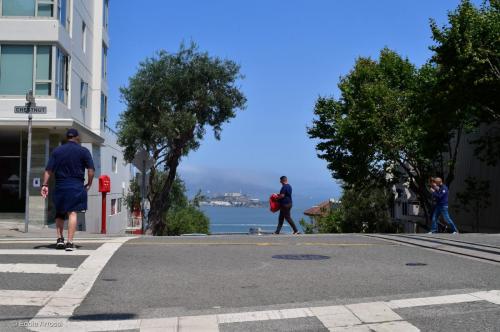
x: 69, y: 197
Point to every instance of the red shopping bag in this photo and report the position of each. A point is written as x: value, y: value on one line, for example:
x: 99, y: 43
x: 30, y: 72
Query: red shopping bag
x: 274, y: 205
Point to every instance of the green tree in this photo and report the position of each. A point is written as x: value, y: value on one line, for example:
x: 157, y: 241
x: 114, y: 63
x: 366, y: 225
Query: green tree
x: 382, y: 129
x: 171, y: 101
x: 467, y: 58
x: 184, y: 216
x: 366, y: 209
x: 362, y: 209
x: 133, y: 197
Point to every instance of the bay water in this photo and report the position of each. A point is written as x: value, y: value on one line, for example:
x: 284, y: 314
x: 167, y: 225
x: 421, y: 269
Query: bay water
x: 240, y: 219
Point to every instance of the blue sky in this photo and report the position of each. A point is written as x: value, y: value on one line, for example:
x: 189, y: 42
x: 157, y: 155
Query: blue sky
x: 290, y: 52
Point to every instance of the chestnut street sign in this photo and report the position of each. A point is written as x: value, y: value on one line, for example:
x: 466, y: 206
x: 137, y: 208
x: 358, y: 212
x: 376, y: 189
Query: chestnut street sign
x: 34, y: 110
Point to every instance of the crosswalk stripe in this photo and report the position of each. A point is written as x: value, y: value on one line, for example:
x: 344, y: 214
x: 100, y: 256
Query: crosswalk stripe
x: 63, y: 303
x: 45, y: 240
x: 35, y: 268
x: 25, y: 298
x: 375, y: 312
x: 360, y: 317
x: 45, y: 252
x: 491, y: 296
x: 48, y: 242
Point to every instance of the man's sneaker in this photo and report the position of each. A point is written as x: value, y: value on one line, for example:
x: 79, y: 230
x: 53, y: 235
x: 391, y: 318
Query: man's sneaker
x: 70, y: 246
x: 60, y: 243
x: 431, y: 233
x: 455, y: 232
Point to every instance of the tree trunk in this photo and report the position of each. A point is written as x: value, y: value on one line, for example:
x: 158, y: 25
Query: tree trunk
x: 161, y: 201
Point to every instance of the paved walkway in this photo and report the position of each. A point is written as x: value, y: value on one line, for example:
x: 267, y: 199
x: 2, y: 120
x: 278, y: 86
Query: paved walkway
x: 358, y: 317
x: 15, y: 230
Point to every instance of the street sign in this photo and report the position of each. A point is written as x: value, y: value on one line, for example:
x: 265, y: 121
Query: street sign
x: 34, y: 110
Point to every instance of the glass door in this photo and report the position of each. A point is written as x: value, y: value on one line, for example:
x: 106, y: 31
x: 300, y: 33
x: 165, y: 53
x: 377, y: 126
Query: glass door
x: 12, y: 169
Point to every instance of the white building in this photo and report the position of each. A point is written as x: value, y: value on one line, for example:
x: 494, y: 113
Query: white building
x: 58, y: 49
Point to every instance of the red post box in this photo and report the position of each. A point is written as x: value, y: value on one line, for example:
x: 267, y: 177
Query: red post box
x: 104, y: 184
x: 104, y: 188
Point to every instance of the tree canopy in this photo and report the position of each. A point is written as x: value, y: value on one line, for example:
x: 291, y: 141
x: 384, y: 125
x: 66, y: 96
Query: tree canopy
x: 394, y: 122
x: 171, y: 101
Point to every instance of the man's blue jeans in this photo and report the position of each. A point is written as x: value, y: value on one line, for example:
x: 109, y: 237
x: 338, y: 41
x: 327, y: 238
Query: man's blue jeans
x: 444, y: 211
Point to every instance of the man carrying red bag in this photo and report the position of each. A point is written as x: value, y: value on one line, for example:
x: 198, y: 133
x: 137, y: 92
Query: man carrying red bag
x: 285, y: 205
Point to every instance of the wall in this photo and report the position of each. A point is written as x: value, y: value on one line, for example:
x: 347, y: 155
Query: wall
x: 469, y: 165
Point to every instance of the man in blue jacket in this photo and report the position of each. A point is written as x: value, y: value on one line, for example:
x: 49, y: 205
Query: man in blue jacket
x: 68, y: 163
x: 285, y: 200
x: 440, y: 194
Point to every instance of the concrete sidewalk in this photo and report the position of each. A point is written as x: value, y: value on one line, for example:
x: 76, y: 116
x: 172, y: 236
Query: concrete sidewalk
x: 16, y: 230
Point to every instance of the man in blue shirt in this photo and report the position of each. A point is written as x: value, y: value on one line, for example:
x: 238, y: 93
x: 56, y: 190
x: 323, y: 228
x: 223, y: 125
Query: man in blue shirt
x: 68, y: 163
x: 285, y: 200
x: 440, y: 195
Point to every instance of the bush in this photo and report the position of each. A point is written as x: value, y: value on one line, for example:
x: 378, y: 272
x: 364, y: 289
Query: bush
x: 133, y: 197
x: 307, y: 227
x: 186, y: 220
x: 331, y: 223
x: 362, y: 210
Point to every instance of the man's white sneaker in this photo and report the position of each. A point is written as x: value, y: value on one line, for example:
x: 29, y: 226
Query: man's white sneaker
x: 454, y: 233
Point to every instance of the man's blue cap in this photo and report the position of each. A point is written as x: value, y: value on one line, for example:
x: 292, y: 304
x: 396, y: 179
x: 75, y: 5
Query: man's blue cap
x: 72, y: 132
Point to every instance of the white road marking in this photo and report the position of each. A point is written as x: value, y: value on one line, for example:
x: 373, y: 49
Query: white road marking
x: 45, y: 252
x: 207, y: 323
x: 46, y: 241
x: 22, y: 297
x: 160, y: 324
x: 381, y: 327
x: 436, y: 300
x: 491, y: 296
x: 36, y: 268
x: 63, y: 303
x: 360, y: 317
x: 374, y: 312
x: 335, y: 316
x: 393, y: 327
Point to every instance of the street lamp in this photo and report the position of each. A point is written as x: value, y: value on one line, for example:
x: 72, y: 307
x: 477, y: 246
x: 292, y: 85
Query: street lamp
x: 30, y: 104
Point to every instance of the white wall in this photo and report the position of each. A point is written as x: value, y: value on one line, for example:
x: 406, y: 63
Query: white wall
x: 120, y: 180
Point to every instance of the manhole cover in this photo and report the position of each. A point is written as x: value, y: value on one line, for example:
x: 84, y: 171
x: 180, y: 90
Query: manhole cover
x: 416, y: 264
x: 302, y: 257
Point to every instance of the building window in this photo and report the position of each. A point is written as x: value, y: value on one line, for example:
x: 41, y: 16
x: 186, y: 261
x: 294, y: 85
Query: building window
x: 21, y: 71
x: 84, y: 37
x: 84, y: 95
x: 43, y: 78
x: 114, y: 164
x: 28, y: 8
x: 62, y: 73
x: 104, y: 68
x: 119, y: 205
x: 104, y: 110
x: 63, y: 13
x: 113, y: 206
x: 105, y: 14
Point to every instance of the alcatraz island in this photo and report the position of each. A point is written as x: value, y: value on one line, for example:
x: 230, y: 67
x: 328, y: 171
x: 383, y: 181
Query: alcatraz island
x: 233, y: 199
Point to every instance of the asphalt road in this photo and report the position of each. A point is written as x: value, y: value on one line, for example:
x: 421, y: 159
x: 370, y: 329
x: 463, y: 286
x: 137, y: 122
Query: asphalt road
x: 167, y: 277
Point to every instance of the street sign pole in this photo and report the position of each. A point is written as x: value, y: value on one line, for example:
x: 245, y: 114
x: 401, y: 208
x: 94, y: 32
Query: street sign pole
x: 29, y: 105
x: 143, y: 196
